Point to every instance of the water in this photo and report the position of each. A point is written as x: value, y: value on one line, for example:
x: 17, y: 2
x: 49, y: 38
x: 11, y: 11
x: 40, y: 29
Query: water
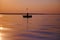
x: 42, y: 27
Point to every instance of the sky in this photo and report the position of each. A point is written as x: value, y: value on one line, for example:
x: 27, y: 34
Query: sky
x: 34, y: 6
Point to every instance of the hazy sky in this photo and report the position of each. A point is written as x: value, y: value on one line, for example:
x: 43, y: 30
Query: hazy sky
x: 50, y: 6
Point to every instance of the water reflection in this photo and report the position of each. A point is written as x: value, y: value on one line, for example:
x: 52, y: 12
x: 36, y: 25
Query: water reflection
x: 2, y: 28
x: 0, y: 36
x: 14, y: 28
x: 4, y: 33
x: 1, y: 15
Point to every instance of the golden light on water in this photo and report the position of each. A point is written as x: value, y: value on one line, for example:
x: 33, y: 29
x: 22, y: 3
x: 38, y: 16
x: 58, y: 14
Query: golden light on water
x: 1, y: 38
x: 3, y: 28
x: 1, y: 15
x: 2, y: 34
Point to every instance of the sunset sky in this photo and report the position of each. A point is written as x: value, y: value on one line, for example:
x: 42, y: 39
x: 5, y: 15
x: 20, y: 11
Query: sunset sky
x: 49, y: 6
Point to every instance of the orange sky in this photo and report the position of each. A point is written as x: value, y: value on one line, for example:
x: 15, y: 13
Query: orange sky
x: 50, y: 6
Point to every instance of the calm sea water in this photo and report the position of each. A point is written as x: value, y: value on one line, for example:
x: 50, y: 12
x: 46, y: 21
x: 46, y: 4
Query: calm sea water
x: 40, y: 27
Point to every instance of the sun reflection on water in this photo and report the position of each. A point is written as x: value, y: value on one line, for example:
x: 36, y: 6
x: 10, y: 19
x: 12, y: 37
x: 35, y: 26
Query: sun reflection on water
x: 1, y: 36
x: 3, y: 33
x: 3, y: 28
